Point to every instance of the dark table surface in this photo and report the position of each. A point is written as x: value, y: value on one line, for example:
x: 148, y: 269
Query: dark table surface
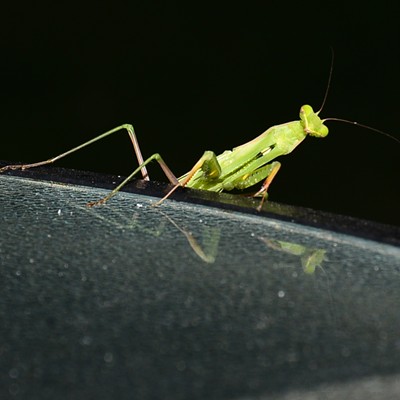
x: 190, y: 301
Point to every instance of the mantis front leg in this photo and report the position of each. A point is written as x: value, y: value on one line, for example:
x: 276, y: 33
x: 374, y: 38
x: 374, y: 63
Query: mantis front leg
x: 267, y: 172
x: 273, y: 169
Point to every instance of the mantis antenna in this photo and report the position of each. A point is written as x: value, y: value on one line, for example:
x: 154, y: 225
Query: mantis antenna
x: 329, y: 82
x: 364, y: 126
x: 346, y: 120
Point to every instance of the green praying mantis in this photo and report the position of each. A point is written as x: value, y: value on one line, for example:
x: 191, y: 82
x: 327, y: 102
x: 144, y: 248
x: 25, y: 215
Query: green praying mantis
x: 240, y: 168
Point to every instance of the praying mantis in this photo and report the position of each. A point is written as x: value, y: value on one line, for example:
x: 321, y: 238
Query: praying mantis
x: 239, y: 168
x: 242, y: 167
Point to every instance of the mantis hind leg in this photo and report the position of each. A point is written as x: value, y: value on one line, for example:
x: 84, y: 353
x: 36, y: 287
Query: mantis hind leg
x: 131, y: 132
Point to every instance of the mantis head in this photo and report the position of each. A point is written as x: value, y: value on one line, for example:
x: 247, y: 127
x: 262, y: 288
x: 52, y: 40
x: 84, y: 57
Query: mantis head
x: 313, y: 125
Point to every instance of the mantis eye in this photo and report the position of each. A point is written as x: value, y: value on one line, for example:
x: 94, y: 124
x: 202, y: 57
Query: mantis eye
x: 312, y: 123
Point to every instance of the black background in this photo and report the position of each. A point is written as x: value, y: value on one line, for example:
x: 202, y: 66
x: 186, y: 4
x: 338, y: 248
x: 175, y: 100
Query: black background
x: 209, y: 76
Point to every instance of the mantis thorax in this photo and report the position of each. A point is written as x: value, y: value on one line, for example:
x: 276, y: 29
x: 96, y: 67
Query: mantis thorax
x: 312, y: 123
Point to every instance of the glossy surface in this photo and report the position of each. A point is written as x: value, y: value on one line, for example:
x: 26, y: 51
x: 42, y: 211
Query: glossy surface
x: 184, y: 301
